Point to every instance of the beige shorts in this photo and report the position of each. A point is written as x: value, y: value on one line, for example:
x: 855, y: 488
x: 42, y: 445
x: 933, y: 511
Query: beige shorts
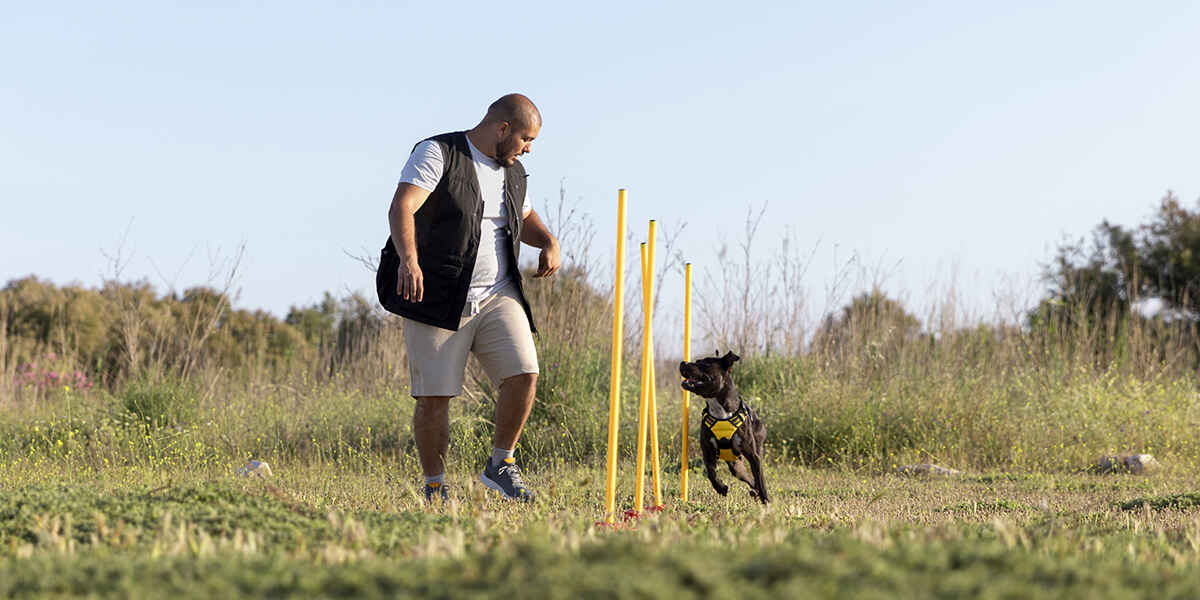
x: 498, y: 334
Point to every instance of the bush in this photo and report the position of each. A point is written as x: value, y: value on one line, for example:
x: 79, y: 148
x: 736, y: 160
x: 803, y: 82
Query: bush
x: 168, y: 402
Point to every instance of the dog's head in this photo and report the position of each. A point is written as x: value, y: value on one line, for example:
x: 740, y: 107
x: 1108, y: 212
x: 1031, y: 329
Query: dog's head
x: 708, y: 377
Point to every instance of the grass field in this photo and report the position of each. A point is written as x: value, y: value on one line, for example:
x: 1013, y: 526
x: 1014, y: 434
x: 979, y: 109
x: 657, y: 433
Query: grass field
x: 133, y: 493
x: 320, y: 529
x: 127, y: 488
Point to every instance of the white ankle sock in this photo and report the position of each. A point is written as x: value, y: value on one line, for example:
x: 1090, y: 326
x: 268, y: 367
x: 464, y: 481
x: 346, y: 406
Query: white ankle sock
x: 499, y: 455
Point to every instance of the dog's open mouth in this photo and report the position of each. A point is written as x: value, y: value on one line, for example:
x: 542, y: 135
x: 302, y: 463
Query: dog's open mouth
x: 694, y: 378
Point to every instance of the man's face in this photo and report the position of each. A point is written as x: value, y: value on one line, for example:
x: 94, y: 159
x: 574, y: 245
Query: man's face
x: 515, y: 141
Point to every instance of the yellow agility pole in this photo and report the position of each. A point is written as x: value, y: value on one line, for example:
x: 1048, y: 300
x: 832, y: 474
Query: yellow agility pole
x: 614, y: 380
x: 655, y: 471
x: 643, y: 402
x: 687, y: 356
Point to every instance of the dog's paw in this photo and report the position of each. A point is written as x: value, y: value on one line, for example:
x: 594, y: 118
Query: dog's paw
x: 722, y: 489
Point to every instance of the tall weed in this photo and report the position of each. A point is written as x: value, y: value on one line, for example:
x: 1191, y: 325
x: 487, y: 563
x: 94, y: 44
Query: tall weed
x: 871, y: 386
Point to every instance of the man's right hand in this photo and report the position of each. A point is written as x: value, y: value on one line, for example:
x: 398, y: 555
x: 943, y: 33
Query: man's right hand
x: 410, y: 284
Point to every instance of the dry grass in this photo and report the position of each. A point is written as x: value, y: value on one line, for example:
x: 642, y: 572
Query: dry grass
x: 1021, y: 411
x: 845, y: 533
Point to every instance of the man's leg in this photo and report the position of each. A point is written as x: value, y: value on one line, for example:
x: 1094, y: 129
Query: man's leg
x: 512, y: 409
x: 504, y: 346
x: 436, y: 361
x: 431, y: 430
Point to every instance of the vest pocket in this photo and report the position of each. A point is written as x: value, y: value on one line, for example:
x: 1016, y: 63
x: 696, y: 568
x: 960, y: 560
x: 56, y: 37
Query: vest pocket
x: 440, y: 284
x: 441, y: 281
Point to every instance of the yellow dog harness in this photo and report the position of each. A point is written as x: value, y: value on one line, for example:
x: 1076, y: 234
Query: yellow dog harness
x: 723, y: 430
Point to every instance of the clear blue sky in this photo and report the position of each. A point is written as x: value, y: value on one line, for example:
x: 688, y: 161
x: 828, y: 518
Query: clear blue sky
x: 938, y: 141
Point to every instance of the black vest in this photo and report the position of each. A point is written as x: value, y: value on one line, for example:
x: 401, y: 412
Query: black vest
x: 447, y: 232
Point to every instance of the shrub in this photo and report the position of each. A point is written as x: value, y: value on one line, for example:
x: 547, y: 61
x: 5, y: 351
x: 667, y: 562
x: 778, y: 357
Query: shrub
x: 167, y: 402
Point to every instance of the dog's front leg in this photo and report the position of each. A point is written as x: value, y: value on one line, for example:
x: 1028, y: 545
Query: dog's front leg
x: 711, y: 470
x: 708, y: 450
x: 755, y: 460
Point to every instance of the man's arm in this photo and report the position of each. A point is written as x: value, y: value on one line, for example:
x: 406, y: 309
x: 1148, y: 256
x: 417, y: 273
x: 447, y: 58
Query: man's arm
x: 410, y: 283
x: 535, y: 233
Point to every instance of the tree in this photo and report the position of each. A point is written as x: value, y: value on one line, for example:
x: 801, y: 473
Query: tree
x: 871, y: 320
x: 1157, y: 260
x: 1170, y: 256
x: 317, y: 322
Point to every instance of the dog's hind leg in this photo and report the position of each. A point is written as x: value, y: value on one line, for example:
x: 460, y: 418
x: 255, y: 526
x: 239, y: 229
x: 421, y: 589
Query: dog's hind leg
x: 738, y: 468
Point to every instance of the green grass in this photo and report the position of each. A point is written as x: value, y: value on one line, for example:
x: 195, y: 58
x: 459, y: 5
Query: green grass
x: 132, y: 492
x: 802, y: 565
x: 118, y: 452
x: 326, y: 529
x: 1184, y: 501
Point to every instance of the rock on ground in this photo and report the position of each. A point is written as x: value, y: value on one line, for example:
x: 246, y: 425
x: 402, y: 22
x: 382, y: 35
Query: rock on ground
x: 927, y: 469
x: 1137, y: 464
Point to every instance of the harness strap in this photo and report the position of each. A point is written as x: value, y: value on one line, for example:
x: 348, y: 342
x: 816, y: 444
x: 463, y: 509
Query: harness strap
x: 723, y: 430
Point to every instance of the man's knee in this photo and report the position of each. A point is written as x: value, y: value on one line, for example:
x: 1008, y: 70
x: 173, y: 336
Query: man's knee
x: 523, y: 380
x: 431, y: 407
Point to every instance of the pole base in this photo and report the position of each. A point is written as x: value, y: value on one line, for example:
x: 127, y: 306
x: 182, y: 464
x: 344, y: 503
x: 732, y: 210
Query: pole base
x: 632, y: 515
x: 629, y: 515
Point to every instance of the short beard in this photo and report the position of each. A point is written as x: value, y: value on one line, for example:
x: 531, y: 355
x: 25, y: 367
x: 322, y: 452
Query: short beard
x: 505, y: 159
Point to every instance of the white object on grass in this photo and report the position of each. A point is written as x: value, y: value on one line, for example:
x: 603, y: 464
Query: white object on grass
x: 255, y: 468
x: 1137, y: 464
x: 928, y: 469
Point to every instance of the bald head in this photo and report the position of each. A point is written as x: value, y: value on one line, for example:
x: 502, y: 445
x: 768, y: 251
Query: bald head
x: 508, y: 129
x: 516, y: 109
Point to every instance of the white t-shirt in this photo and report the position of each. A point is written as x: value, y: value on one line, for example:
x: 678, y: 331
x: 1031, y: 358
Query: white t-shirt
x: 424, y: 170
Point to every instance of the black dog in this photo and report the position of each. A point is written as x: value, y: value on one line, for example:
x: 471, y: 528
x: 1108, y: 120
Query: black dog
x: 731, y: 431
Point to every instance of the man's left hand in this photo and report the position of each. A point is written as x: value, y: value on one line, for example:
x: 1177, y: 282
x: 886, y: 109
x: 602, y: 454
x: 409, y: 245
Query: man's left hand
x: 549, y: 260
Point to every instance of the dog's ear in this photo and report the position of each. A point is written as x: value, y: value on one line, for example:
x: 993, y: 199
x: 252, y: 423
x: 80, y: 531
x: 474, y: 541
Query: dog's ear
x: 728, y: 360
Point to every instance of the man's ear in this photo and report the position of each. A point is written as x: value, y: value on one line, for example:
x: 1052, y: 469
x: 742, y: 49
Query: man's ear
x: 728, y: 360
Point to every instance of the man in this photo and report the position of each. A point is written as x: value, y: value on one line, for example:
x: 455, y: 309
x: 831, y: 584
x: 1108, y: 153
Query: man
x: 458, y: 219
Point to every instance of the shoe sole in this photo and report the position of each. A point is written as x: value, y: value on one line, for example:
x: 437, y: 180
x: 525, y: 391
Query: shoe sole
x: 503, y: 494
